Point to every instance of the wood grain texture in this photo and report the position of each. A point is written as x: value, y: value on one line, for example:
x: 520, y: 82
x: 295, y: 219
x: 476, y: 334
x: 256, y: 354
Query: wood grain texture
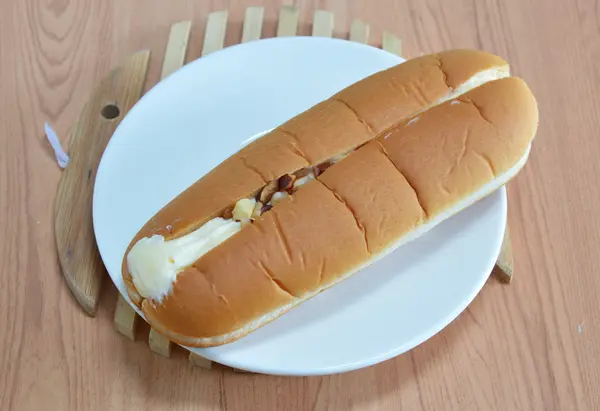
x: 77, y: 251
x: 529, y: 346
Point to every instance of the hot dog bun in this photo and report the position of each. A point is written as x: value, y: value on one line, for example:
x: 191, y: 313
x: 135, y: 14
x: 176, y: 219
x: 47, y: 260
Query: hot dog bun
x: 426, y: 139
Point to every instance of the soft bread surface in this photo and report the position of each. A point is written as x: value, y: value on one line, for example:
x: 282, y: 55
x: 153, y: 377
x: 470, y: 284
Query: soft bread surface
x: 424, y: 154
x: 337, y: 125
x: 345, y: 121
x: 464, y: 143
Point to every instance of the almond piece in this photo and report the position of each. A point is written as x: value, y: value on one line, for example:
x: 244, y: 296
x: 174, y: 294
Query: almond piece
x: 268, y: 191
x: 320, y: 169
x: 243, y: 209
x: 278, y: 196
x: 228, y: 213
x: 301, y: 181
x: 337, y: 158
x: 257, y: 210
x: 286, y: 182
x: 303, y: 172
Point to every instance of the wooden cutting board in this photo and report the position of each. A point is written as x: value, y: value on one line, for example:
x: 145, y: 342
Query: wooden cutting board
x: 110, y: 101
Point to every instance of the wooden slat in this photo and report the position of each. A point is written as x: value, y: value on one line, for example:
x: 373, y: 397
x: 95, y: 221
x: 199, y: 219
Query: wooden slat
x: 391, y: 43
x: 253, y: 22
x: 239, y: 371
x: 199, y: 361
x: 288, y: 21
x: 125, y: 318
x: 176, y: 47
x: 159, y: 343
x: 322, y: 24
x: 214, y: 36
x: 505, y: 264
x: 359, y: 32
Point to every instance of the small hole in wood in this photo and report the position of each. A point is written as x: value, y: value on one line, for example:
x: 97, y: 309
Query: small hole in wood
x: 110, y: 111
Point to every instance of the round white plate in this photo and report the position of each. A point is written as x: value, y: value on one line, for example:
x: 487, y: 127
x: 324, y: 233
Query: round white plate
x: 206, y: 111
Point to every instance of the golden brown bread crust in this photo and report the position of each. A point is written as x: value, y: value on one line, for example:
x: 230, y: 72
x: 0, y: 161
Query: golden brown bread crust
x: 456, y: 64
x: 266, y: 265
x: 331, y: 127
x: 356, y: 209
x: 384, y: 210
x: 337, y: 125
x: 389, y: 97
x: 502, y: 111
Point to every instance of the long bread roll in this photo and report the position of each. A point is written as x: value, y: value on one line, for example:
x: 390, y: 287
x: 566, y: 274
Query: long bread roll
x: 329, y: 192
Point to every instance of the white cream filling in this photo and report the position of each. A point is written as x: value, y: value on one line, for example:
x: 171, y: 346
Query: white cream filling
x: 154, y: 263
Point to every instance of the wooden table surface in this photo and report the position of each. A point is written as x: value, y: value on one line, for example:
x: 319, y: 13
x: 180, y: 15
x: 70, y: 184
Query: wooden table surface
x: 532, y: 345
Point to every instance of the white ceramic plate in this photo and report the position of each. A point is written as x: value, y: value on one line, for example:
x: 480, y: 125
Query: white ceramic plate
x: 204, y: 112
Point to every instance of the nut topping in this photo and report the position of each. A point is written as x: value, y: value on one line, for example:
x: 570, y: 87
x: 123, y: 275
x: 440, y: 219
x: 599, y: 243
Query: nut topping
x: 337, y: 158
x: 243, y: 209
x: 320, y: 169
x: 257, y: 210
x: 278, y: 196
x: 301, y: 181
x: 286, y: 182
x: 303, y: 172
x: 228, y: 213
x: 268, y: 191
